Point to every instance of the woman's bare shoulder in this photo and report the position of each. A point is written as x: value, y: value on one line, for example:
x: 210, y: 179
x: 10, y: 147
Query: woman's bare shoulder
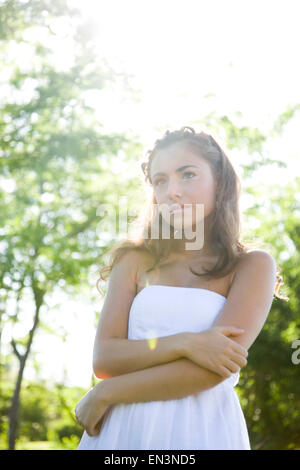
x: 254, y: 257
x: 137, y: 260
x: 143, y: 260
x: 139, y: 256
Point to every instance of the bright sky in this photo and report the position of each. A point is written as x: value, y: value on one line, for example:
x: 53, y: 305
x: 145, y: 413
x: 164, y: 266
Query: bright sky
x: 179, y: 51
x: 186, y: 58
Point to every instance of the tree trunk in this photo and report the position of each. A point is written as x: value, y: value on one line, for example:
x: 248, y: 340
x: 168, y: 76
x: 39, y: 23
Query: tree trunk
x: 14, y: 409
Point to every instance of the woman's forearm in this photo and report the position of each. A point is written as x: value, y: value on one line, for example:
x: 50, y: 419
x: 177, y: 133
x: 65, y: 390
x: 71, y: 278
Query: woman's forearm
x: 117, y: 356
x: 174, y: 380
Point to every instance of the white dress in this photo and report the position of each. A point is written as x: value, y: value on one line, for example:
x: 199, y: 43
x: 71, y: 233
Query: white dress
x: 210, y: 419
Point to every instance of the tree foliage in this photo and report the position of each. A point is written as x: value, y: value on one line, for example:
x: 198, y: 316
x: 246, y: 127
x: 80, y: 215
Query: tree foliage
x: 56, y: 166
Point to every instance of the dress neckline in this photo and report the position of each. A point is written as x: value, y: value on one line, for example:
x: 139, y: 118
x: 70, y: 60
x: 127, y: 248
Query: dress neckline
x: 182, y: 287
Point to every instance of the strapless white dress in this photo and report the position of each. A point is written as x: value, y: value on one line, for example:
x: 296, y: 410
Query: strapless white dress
x: 211, y: 419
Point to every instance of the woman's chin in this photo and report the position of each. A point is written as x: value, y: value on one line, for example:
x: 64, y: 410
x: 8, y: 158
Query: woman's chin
x: 187, y: 222
x: 183, y: 224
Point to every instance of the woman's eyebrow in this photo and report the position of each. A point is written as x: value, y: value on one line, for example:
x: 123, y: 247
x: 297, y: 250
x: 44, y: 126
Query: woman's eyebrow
x: 177, y: 171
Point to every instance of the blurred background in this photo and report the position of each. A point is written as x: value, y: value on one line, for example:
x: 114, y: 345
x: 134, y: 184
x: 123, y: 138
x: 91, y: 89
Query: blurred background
x: 85, y: 90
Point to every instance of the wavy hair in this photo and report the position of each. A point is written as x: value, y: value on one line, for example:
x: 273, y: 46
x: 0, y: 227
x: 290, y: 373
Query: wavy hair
x: 225, y: 237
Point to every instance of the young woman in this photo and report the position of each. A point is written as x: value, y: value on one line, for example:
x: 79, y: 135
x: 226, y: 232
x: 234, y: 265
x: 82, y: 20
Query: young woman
x: 179, y: 317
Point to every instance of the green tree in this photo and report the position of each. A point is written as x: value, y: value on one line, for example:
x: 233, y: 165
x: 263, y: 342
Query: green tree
x: 270, y: 384
x: 52, y: 153
x: 55, y: 161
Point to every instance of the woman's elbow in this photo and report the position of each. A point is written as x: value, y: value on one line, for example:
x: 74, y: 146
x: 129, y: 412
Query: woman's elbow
x: 100, y: 372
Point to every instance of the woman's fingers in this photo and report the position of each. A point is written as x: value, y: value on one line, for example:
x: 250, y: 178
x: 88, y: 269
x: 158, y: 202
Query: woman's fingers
x: 225, y: 372
x: 238, y: 359
x: 77, y: 418
x: 98, y: 425
x: 91, y: 432
x: 94, y: 430
x: 232, y: 366
x: 91, y: 428
x: 238, y: 348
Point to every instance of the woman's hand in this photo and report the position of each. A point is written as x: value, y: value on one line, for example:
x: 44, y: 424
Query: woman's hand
x: 92, y: 409
x: 213, y: 350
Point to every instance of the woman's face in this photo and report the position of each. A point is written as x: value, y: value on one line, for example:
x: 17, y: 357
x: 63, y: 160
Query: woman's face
x: 180, y: 175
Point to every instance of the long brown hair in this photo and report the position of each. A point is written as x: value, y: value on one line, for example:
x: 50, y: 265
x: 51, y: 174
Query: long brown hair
x: 226, y: 234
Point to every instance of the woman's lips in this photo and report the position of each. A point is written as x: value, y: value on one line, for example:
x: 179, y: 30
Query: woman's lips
x: 176, y: 209
x: 179, y: 209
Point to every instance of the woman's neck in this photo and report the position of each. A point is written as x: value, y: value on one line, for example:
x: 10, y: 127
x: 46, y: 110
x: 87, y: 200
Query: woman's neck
x: 179, y: 251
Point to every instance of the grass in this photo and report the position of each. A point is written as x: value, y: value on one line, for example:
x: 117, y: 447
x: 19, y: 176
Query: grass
x: 43, y: 445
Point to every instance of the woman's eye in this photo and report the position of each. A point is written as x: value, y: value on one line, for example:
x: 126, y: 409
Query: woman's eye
x: 156, y: 183
x: 189, y: 173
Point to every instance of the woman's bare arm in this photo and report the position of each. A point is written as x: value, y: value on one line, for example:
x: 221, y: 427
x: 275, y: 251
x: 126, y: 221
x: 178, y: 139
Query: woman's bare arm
x: 174, y: 380
x: 121, y: 356
x: 115, y: 354
x: 182, y: 377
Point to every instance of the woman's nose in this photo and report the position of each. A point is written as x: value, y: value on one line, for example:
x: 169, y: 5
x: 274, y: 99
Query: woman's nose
x: 173, y: 189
